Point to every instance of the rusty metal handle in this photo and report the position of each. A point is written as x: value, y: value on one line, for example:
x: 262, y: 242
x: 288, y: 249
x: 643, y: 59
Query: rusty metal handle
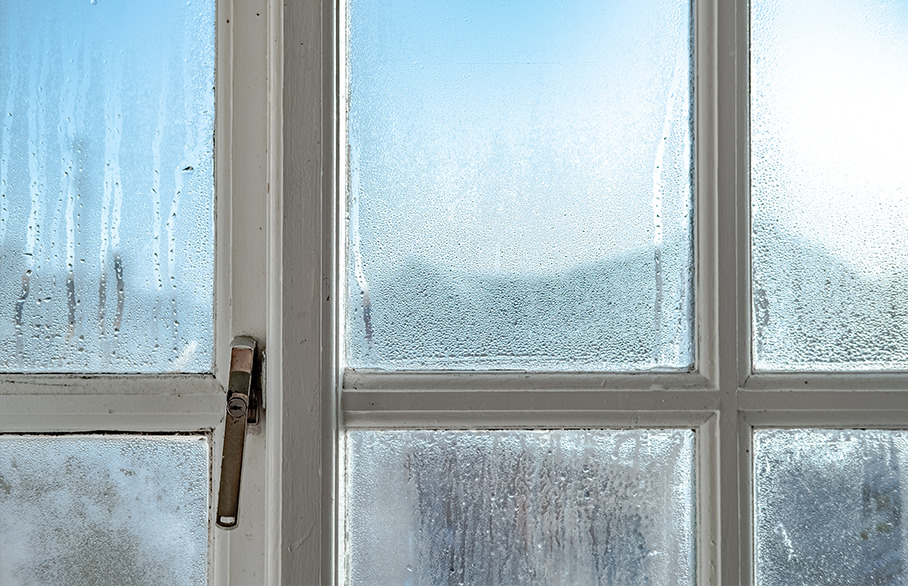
x: 240, y: 411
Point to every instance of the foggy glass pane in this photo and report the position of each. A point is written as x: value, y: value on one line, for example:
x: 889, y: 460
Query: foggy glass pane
x: 85, y: 510
x: 829, y: 184
x: 519, y: 185
x: 521, y: 507
x: 828, y: 506
x: 106, y: 185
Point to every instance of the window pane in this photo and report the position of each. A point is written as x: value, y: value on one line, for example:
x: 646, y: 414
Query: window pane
x: 103, y: 509
x: 106, y: 171
x: 828, y: 169
x: 519, y: 185
x: 521, y: 507
x: 829, y: 506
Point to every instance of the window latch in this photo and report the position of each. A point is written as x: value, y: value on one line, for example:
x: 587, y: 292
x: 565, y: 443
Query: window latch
x: 242, y: 409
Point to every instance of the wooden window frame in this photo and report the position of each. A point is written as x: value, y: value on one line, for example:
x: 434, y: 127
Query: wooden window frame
x: 278, y: 268
x: 724, y: 400
x: 247, y: 301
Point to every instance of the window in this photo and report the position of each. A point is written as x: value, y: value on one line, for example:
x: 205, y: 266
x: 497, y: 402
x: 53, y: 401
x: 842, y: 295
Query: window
x: 774, y: 390
x: 110, y: 80
x: 749, y: 411
x: 519, y: 194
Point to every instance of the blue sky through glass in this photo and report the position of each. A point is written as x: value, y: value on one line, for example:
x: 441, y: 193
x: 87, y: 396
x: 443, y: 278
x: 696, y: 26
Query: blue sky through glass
x: 505, y: 140
x: 106, y: 170
x: 829, y: 169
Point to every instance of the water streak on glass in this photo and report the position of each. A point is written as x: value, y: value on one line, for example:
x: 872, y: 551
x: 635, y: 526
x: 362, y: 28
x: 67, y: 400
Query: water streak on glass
x: 521, y: 507
x: 84, y: 510
x: 519, y: 190
x: 828, y: 507
x: 829, y: 184
x: 106, y: 186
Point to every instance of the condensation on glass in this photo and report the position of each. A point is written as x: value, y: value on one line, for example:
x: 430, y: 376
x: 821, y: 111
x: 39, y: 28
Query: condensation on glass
x: 521, y: 507
x: 81, y: 510
x: 829, y: 184
x: 106, y: 185
x: 828, y: 506
x: 519, y: 185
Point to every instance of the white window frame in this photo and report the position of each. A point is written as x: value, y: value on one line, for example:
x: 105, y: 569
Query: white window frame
x: 321, y: 402
x: 277, y: 268
x: 724, y: 400
x: 247, y: 267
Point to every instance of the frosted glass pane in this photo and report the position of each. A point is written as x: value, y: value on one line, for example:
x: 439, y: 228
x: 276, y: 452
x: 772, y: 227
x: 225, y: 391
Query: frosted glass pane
x: 106, y: 172
x: 519, y: 185
x: 86, y: 510
x: 521, y: 507
x: 829, y: 169
x: 828, y: 507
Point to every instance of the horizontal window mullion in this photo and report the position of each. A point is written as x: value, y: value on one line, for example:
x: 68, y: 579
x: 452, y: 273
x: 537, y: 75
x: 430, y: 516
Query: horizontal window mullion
x: 50, y: 413
x: 597, y: 419
x: 476, y: 405
x: 829, y: 418
x: 815, y: 382
x: 114, y: 384
x: 854, y: 404
x: 520, y: 381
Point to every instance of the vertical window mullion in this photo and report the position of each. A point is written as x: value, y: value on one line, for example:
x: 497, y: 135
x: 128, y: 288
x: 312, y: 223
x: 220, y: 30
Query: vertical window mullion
x: 728, y: 259
x: 307, y: 406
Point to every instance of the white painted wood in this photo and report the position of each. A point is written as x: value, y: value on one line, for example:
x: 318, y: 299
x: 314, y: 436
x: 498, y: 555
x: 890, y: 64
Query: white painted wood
x: 521, y: 381
x: 829, y: 419
x: 504, y: 400
x: 709, y: 359
x: 855, y: 381
x: 277, y: 274
x: 708, y: 522
x: 219, y: 565
x: 247, y: 301
x: 706, y: 192
x: 56, y: 413
x: 745, y: 499
x: 114, y: 385
x: 529, y: 419
x: 823, y: 401
x: 484, y: 401
x: 723, y: 400
x: 223, y: 185
x: 273, y: 399
x: 248, y: 245
x: 308, y: 295
x: 496, y: 400
x: 729, y: 203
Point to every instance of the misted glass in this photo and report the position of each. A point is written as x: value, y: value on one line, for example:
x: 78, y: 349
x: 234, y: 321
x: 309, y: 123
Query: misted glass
x: 521, y: 507
x: 85, y: 510
x: 829, y: 184
x: 106, y: 185
x: 828, y: 506
x: 519, y: 185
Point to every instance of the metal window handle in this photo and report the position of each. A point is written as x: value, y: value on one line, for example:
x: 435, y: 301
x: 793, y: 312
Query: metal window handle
x: 242, y: 409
